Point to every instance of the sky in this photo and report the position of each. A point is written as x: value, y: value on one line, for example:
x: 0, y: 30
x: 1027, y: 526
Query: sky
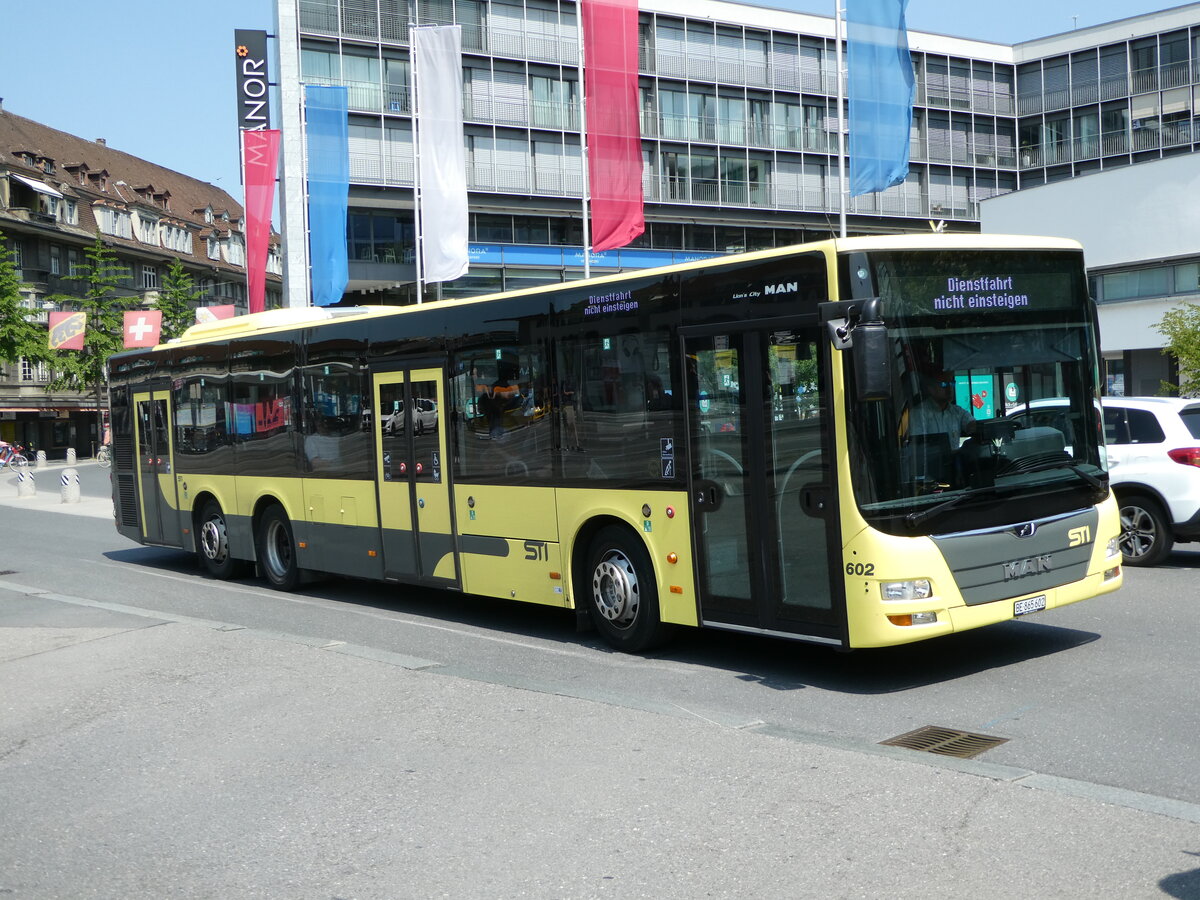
x: 155, y: 78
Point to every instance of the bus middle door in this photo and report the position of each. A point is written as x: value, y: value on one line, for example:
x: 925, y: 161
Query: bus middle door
x: 413, y: 483
x: 157, y: 495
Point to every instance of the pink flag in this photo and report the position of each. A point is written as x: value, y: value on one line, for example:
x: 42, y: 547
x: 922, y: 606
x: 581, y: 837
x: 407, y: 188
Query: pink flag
x: 142, y: 327
x: 213, y: 313
x: 614, y: 142
x: 67, y: 330
x: 260, y: 151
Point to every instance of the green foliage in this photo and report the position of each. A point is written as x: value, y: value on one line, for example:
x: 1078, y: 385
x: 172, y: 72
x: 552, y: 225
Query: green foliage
x: 1181, y: 327
x: 20, y: 335
x: 177, y: 300
x: 99, y: 279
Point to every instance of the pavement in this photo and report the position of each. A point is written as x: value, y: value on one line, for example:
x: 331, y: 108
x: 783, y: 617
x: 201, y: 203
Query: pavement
x: 94, y: 499
x: 147, y: 754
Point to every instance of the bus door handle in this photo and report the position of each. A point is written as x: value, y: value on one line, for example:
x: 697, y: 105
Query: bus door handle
x: 708, y: 496
x: 814, y: 500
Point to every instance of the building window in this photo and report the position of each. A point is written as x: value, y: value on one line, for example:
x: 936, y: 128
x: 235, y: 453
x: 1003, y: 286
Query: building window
x: 70, y: 212
x: 114, y: 221
x: 16, y: 252
x: 32, y: 372
x: 55, y: 260
x: 214, y: 248
x: 147, y: 229
x: 72, y: 262
x: 149, y: 278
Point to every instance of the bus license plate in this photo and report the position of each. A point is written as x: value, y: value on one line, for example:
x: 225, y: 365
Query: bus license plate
x: 1029, y: 605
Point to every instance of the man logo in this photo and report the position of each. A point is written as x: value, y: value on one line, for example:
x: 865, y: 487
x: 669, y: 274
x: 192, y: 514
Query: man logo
x: 1079, y: 536
x: 1029, y: 529
x: 787, y: 287
x: 1020, y: 568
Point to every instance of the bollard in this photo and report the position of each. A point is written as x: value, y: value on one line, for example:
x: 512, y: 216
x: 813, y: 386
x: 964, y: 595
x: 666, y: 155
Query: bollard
x: 25, y: 483
x: 70, y: 486
x: 41, y: 459
x: 70, y: 456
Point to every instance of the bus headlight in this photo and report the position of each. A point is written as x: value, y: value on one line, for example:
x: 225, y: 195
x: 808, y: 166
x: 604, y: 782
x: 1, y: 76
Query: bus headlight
x: 1114, y: 548
x: 919, y: 589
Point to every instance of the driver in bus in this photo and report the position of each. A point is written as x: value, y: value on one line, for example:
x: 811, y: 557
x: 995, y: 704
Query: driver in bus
x: 935, y: 412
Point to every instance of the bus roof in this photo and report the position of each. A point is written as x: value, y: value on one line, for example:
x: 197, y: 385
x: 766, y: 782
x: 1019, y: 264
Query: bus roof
x: 299, y: 317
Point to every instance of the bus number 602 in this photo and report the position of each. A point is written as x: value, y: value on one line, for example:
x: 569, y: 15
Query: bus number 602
x: 860, y: 568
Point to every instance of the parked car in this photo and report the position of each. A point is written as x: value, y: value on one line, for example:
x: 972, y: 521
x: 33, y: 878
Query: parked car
x: 425, y: 417
x: 1153, y: 447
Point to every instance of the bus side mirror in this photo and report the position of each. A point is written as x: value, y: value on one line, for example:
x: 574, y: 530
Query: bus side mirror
x: 864, y: 336
x: 872, y: 357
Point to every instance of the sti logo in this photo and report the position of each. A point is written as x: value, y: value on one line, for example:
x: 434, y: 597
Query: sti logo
x: 787, y: 287
x: 1079, y: 536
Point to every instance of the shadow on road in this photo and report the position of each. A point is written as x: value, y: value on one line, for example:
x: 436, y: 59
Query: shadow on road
x: 775, y: 663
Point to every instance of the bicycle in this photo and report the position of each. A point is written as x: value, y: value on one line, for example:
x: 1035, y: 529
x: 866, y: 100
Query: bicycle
x: 12, y: 457
x: 104, y: 455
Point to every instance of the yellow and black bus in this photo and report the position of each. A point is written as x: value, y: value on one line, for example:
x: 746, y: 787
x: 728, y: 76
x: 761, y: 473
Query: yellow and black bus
x: 822, y: 442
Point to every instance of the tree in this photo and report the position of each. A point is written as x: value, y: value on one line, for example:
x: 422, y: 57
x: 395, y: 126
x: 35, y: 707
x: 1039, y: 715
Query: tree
x: 1181, y: 327
x: 20, y: 335
x: 177, y: 300
x: 100, y: 277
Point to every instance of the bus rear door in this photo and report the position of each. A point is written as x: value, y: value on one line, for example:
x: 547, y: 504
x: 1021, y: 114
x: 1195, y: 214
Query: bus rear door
x: 761, y: 475
x: 157, y: 495
x: 414, y: 487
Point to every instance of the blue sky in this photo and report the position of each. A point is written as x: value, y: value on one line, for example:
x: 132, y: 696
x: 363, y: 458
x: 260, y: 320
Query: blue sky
x: 155, y: 77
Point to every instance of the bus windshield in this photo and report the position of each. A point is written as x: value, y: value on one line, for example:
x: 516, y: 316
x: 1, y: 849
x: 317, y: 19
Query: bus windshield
x: 995, y: 386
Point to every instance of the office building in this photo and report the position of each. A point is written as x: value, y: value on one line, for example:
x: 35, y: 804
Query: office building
x: 739, y: 130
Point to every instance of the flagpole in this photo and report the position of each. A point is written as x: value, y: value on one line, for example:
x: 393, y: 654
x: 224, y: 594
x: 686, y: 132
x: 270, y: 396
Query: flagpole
x: 418, y: 235
x: 583, y: 153
x: 841, y: 102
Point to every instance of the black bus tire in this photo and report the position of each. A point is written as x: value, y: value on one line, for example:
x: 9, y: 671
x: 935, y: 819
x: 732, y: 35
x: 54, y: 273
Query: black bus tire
x: 621, y: 592
x: 212, y: 543
x: 1146, y: 537
x: 277, y: 550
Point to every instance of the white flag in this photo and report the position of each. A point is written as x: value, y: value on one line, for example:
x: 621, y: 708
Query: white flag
x: 442, y: 166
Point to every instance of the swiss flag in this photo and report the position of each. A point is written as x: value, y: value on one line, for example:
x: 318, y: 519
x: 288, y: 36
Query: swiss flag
x: 143, y: 327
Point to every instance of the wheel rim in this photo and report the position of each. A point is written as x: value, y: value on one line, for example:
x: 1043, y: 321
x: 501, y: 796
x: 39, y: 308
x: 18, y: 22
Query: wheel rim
x: 1138, y: 533
x: 214, y: 542
x: 615, y: 589
x: 278, y: 549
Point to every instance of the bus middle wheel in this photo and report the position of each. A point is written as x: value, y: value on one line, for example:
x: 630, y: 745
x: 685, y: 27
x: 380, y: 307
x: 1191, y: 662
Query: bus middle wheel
x: 277, y: 550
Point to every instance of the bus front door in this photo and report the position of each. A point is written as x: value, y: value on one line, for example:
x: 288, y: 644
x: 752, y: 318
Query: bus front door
x: 414, y: 488
x: 761, y: 481
x: 157, y: 496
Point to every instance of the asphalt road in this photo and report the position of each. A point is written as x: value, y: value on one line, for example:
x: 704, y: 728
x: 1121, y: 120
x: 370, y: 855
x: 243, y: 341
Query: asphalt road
x: 1095, y: 701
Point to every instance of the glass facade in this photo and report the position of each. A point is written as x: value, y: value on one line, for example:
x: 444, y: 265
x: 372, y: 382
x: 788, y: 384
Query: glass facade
x: 739, y: 123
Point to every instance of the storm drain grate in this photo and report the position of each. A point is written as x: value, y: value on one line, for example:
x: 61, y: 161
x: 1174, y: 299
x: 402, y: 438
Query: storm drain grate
x: 945, y: 741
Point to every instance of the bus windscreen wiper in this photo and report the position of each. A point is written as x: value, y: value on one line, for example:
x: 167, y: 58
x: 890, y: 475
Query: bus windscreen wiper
x: 916, y: 517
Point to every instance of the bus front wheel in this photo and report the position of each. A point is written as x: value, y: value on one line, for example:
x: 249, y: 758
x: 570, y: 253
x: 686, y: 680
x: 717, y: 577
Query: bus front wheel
x: 621, y: 592
x: 277, y: 550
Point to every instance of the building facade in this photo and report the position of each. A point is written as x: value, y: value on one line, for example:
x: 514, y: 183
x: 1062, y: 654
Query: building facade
x: 58, y: 192
x: 739, y: 128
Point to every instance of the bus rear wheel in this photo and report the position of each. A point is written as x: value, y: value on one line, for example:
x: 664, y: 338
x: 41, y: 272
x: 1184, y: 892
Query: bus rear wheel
x: 277, y: 550
x: 622, y: 595
x: 212, y: 543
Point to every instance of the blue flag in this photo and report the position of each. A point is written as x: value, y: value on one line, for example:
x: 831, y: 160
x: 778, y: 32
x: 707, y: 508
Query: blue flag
x: 327, y: 130
x: 881, y: 90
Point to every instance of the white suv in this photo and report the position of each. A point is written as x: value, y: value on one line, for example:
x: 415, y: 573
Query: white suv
x: 1153, y: 447
x: 1154, y: 471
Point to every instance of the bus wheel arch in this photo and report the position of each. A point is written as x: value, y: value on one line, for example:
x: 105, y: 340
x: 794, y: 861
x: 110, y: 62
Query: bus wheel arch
x: 614, y: 579
x: 213, y: 548
x: 275, y: 543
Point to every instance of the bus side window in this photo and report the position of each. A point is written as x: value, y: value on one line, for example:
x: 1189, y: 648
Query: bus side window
x: 502, y: 414
x: 618, y: 402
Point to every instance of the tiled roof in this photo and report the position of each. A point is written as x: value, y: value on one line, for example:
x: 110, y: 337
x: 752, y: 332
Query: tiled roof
x: 125, y: 175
